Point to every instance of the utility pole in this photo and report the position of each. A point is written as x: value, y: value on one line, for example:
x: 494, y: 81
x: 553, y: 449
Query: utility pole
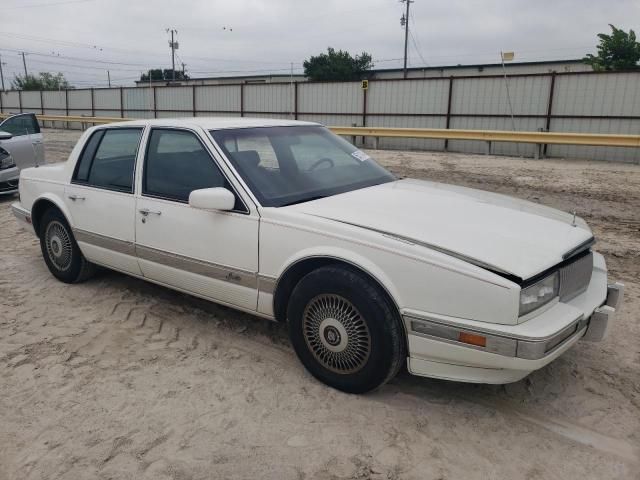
x: 109, y: 78
x: 404, y: 21
x: 24, y: 62
x: 1, y: 74
x: 174, y: 46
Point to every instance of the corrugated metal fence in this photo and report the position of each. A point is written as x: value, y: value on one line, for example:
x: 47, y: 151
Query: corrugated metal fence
x: 590, y: 102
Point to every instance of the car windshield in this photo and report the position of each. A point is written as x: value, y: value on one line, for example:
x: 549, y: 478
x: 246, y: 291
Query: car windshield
x: 288, y: 165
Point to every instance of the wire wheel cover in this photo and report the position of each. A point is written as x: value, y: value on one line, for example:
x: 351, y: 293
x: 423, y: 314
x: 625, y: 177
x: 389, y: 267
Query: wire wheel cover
x: 59, y: 247
x: 336, y: 334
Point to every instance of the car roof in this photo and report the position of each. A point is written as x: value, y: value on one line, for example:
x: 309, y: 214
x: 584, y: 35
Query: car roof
x: 214, y: 123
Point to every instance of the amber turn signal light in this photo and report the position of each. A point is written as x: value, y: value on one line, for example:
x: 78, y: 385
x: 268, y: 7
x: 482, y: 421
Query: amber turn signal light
x: 472, y: 339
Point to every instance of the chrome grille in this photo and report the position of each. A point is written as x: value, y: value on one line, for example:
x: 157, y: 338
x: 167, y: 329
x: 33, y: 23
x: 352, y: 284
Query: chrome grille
x: 575, y: 277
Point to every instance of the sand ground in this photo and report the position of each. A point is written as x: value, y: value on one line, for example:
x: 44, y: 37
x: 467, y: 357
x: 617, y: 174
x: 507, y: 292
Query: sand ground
x: 117, y: 378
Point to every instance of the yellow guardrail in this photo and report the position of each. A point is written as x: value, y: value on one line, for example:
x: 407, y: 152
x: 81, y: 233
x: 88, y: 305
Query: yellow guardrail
x: 551, y: 138
x: 555, y: 138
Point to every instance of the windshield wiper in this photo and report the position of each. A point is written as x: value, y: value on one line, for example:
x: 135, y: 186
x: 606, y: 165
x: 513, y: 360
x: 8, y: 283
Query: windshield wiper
x: 295, y: 202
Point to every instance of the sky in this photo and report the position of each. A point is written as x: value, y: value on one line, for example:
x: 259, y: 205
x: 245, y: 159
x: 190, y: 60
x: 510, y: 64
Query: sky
x: 85, y: 38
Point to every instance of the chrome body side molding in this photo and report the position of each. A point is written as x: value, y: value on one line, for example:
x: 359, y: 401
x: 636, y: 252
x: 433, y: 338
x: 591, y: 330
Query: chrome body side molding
x: 267, y: 284
x: 223, y: 273
x: 199, y: 267
x: 103, y: 241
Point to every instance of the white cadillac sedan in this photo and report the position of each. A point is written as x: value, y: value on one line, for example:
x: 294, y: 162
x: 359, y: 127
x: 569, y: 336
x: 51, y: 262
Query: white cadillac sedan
x: 287, y: 221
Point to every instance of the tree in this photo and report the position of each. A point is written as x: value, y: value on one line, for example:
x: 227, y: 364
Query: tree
x: 618, y: 51
x: 157, y: 74
x: 337, y: 65
x: 42, y: 81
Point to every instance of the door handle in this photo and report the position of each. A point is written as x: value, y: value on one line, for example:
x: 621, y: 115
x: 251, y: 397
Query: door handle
x: 146, y: 212
x: 76, y: 197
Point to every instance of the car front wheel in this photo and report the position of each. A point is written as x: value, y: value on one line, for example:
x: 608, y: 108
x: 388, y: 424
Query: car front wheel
x: 60, y: 250
x: 345, y: 330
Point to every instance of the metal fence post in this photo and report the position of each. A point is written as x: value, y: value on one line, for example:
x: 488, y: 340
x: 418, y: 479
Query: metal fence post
x: 66, y: 106
x: 364, y: 111
x: 121, y: 104
x: 41, y: 102
x: 93, y: 105
x: 364, y: 107
x: 242, y: 99
x: 20, y: 100
x: 193, y: 101
x: 295, y: 100
x: 155, y: 102
x: 552, y: 88
x: 448, y: 122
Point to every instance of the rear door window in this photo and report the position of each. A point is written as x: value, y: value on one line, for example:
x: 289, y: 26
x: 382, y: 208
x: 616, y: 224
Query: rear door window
x: 108, y: 159
x: 21, y: 125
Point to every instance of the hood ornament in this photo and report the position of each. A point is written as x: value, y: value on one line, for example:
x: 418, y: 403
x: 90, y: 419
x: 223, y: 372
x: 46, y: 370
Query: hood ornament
x: 573, y: 222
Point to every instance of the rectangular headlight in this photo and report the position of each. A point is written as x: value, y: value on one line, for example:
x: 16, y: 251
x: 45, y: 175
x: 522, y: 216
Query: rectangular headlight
x: 6, y: 160
x: 539, y: 293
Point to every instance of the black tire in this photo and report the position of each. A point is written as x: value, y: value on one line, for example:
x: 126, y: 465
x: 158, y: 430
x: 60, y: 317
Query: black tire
x: 60, y: 250
x: 333, y: 302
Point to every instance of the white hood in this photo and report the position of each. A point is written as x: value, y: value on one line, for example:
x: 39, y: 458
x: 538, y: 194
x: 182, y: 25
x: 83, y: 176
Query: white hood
x: 515, y: 236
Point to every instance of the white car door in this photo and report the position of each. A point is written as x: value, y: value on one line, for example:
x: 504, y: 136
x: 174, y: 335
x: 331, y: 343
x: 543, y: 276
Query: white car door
x: 101, y: 199
x: 212, y: 254
x: 26, y: 145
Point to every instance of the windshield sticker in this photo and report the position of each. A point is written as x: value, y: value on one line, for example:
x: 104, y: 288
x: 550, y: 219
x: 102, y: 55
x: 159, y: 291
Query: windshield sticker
x: 360, y: 155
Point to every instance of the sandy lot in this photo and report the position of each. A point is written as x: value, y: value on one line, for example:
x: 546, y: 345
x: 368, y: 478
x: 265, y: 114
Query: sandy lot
x: 117, y: 378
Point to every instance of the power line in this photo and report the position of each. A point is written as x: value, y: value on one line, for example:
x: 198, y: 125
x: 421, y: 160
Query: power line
x: 79, y: 59
x: 54, y: 4
x: 413, y: 40
x: 416, y: 42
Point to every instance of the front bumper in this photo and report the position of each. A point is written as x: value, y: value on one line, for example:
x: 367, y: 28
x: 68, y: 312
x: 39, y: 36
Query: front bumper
x: 503, y: 354
x: 22, y: 214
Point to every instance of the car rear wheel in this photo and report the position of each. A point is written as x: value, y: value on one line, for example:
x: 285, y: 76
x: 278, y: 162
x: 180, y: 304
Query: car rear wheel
x: 60, y: 250
x: 345, y: 330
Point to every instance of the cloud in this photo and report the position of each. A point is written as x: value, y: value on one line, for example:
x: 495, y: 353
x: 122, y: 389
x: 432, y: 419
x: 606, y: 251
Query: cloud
x: 270, y: 35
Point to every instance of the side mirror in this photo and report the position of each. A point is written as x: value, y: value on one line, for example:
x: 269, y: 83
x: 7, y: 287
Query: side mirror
x: 212, y: 199
x: 5, y: 135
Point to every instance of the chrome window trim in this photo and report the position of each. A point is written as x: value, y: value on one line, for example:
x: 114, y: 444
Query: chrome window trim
x: 132, y: 191
x: 216, y: 164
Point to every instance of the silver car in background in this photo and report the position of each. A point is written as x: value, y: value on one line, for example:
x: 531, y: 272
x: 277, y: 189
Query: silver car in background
x: 21, y: 146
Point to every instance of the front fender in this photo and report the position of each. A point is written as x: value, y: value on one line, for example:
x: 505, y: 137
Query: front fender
x: 347, y: 256
x: 416, y: 278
